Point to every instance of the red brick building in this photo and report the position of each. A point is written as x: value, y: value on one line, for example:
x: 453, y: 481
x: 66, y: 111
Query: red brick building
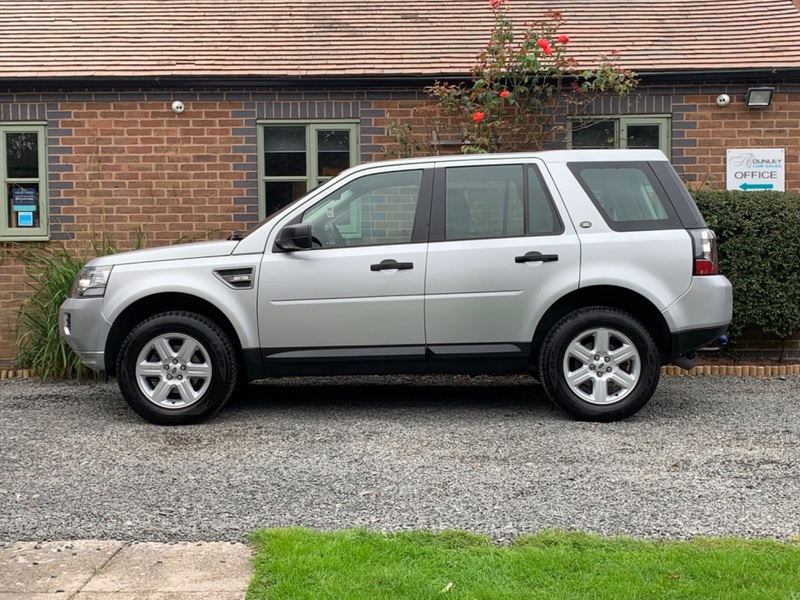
x: 279, y: 96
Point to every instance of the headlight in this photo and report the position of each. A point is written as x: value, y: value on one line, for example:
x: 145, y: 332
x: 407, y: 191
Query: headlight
x: 90, y: 282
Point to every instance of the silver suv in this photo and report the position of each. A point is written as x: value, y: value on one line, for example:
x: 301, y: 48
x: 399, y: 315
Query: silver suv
x: 588, y: 269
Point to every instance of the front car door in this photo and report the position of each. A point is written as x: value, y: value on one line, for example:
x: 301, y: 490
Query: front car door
x: 355, y: 299
x: 500, y: 254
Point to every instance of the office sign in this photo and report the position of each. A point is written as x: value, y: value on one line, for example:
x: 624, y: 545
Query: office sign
x: 757, y: 169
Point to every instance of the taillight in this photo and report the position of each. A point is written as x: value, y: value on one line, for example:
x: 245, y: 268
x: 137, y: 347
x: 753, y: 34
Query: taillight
x: 705, y: 251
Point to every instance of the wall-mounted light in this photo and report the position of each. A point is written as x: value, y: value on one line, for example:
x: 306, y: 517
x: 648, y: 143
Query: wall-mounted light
x: 759, y: 97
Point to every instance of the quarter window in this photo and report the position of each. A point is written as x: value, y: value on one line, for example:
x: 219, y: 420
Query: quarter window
x: 296, y: 157
x: 24, y: 182
x: 628, y: 195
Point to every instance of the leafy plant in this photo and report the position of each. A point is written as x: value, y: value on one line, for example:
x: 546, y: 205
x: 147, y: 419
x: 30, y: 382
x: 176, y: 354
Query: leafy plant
x: 52, y: 270
x: 522, y: 89
x: 758, y: 239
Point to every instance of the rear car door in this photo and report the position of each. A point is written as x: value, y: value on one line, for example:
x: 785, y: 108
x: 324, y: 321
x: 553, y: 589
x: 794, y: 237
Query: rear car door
x: 501, y: 252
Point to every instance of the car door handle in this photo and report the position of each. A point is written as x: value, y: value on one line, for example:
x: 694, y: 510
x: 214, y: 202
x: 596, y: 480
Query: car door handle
x: 388, y: 264
x: 536, y: 257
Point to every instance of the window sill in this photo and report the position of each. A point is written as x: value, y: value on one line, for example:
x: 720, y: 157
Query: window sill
x: 24, y: 238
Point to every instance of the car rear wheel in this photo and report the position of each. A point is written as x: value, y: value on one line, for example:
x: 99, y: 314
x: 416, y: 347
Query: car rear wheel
x: 599, y: 364
x: 176, y: 368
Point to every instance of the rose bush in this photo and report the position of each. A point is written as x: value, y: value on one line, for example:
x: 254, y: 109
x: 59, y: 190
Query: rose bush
x: 522, y: 90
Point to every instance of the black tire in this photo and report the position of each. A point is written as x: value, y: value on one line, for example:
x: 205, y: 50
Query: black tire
x: 156, y: 363
x: 599, y: 364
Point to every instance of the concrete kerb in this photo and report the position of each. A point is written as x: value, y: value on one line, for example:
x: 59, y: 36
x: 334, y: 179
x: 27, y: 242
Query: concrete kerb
x: 114, y: 570
x: 734, y: 370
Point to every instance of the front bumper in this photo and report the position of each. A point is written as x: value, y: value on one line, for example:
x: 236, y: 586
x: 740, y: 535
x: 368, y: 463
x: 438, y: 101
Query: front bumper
x: 83, y: 327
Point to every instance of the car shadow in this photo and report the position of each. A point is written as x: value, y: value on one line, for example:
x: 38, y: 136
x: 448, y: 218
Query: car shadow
x: 392, y: 392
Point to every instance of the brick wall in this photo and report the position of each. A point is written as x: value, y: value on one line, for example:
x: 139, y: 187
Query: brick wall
x: 134, y: 163
x: 705, y: 131
x: 756, y: 343
x: 12, y: 292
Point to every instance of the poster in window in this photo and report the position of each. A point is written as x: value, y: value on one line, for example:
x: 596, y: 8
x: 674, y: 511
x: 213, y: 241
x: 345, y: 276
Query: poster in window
x: 24, y: 201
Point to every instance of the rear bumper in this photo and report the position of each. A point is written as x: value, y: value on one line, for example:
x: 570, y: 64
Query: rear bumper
x: 687, y: 341
x: 701, y: 315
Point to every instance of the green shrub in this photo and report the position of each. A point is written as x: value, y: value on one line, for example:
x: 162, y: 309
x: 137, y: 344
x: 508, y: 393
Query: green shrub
x: 758, y: 236
x: 52, y: 269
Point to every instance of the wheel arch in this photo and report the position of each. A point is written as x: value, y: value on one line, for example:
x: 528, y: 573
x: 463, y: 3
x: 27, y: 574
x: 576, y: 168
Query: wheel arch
x: 612, y: 297
x: 159, y: 303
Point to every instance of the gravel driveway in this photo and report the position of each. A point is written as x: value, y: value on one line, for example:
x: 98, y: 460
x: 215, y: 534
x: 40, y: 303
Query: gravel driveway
x: 709, y: 456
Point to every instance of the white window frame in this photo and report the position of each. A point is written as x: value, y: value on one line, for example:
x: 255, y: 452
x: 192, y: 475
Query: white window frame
x: 8, y: 231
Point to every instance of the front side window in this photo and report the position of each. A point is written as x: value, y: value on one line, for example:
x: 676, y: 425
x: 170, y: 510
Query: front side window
x: 635, y: 132
x: 24, y: 182
x: 371, y: 210
x: 296, y: 157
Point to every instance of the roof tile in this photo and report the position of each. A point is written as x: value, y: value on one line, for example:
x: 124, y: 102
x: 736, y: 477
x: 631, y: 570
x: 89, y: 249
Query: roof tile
x: 273, y: 38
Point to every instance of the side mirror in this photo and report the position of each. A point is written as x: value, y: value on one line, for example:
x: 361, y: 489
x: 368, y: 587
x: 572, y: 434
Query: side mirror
x: 294, y: 237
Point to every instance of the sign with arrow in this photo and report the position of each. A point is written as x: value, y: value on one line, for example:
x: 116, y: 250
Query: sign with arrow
x: 751, y: 169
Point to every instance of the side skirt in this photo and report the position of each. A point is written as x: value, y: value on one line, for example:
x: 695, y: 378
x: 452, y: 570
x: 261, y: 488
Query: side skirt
x: 468, y: 359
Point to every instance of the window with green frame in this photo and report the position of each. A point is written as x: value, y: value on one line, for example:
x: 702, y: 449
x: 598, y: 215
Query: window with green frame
x: 631, y: 131
x: 23, y: 175
x: 297, y: 156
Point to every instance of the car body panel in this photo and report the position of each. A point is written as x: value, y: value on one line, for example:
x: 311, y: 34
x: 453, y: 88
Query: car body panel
x: 195, y: 250
x: 707, y: 304
x: 330, y: 298
x: 478, y: 294
x: 133, y: 282
x: 82, y: 325
x: 659, y: 269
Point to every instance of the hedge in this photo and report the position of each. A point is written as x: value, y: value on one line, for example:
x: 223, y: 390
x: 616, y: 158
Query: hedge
x: 758, y: 238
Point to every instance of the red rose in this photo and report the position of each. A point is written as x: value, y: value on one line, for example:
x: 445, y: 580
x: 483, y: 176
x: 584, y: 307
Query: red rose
x: 563, y: 39
x: 478, y: 116
x: 545, y: 46
x: 495, y: 3
x: 504, y: 94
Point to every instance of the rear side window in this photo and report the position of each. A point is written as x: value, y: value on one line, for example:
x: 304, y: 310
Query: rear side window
x: 494, y: 201
x: 628, y: 195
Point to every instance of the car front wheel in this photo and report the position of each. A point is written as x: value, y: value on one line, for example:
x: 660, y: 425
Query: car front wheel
x: 176, y: 368
x: 599, y: 364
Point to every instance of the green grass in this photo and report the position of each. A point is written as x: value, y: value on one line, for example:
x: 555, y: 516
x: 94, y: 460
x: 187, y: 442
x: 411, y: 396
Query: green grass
x: 299, y: 563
